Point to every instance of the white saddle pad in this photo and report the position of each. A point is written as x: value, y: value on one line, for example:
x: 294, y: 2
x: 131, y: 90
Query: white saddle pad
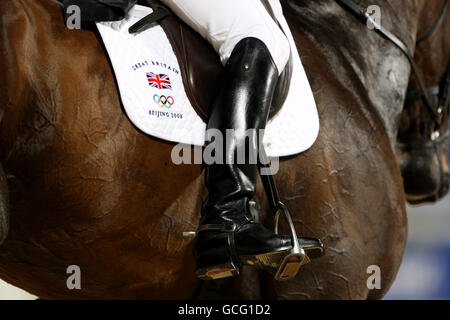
x: 153, y: 95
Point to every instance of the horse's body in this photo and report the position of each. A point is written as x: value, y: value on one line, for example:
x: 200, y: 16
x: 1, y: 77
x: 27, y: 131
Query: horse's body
x: 87, y: 188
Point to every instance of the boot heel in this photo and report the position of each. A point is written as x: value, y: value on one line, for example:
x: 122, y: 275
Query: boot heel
x: 212, y: 253
x: 218, y: 271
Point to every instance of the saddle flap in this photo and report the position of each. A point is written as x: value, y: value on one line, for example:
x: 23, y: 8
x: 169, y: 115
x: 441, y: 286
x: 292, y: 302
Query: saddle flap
x: 200, y: 65
x: 138, y: 59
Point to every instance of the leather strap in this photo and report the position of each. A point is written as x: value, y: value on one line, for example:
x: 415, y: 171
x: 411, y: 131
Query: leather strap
x: 424, y: 145
x: 442, y: 91
x: 148, y: 20
x: 415, y: 95
x: 225, y: 227
x: 444, y: 101
x: 364, y: 16
x: 435, y: 26
x: 268, y: 181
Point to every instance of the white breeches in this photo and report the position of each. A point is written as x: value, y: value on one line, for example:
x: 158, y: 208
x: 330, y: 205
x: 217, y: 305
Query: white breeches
x: 226, y: 22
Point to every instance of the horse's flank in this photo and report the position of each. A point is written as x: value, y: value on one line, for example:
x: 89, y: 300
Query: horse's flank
x: 79, y: 163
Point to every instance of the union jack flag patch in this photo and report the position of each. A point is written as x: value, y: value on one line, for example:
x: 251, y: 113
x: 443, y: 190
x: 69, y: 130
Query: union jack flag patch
x: 160, y: 81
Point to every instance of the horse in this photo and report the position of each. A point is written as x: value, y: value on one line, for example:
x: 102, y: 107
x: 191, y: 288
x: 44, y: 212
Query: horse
x: 81, y: 186
x: 422, y: 142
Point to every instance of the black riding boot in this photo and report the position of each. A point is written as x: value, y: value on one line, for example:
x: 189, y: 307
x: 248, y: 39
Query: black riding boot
x: 228, y: 235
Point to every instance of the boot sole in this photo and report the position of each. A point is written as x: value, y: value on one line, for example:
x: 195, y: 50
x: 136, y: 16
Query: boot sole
x: 269, y: 261
x: 219, y: 271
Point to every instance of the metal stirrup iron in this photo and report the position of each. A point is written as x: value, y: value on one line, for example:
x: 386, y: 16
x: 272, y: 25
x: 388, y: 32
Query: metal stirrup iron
x: 296, y: 258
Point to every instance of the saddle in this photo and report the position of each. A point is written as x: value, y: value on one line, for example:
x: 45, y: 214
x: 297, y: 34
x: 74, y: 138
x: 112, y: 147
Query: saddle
x: 200, y: 65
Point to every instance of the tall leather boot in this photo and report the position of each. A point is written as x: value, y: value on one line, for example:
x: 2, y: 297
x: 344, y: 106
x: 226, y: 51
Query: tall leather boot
x: 229, y: 236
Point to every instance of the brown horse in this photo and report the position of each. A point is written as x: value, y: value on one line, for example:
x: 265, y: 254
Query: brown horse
x: 424, y: 163
x: 87, y: 188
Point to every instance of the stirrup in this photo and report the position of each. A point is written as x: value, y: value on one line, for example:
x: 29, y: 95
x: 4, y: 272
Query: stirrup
x: 285, y: 263
x: 296, y: 257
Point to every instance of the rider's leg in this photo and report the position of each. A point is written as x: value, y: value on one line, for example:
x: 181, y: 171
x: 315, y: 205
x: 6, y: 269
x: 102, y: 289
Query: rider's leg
x: 254, y: 51
x: 225, y: 23
x: 228, y: 233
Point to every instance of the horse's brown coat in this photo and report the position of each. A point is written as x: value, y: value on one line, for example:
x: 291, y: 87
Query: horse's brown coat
x: 89, y: 189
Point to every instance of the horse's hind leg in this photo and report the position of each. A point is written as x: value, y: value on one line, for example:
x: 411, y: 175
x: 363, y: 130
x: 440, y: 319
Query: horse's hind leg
x: 4, y: 206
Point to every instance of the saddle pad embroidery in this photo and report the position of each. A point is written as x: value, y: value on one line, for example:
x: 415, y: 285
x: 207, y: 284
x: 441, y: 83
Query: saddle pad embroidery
x: 154, y: 99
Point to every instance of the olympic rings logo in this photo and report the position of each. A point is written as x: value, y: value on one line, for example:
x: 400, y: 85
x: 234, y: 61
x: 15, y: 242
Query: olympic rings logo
x: 164, y: 101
